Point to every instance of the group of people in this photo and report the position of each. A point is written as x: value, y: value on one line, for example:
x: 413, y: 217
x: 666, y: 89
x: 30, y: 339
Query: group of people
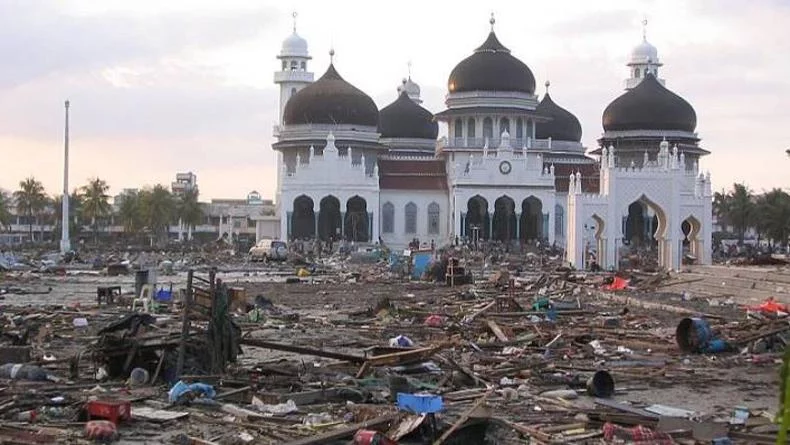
x: 415, y: 244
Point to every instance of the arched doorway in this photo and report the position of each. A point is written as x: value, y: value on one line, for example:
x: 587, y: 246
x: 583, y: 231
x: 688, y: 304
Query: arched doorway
x: 329, y: 219
x: 692, y: 244
x: 504, y: 220
x: 303, y: 218
x: 356, y: 221
x: 644, y: 243
x: 531, y: 219
x: 594, y: 242
x: 477, y: 218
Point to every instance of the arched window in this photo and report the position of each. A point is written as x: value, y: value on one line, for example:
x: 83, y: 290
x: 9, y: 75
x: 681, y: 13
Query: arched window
x: 293, y: 91
x: 559, y: 221
x: 285, y: 65
x: 411, y: 218
x: 488, y: 128
x: 433, y: 218
x: 504, y: 125
x: 470, y: 128
x: 459, y: 128
x: 388, y: 218
x: 519, y: 128
x: 294, y: 65
x: 530, y: 129
x: 636, y: 73
x: 655, y: 72
x: 304, y: 66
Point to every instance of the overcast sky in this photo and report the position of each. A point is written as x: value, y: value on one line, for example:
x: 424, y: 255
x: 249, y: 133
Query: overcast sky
x: 165, y: 86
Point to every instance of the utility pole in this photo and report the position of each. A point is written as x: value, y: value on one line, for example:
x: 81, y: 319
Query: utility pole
x: 65, y: 245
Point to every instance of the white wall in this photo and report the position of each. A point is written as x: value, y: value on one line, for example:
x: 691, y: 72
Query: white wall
x: 399, y: 198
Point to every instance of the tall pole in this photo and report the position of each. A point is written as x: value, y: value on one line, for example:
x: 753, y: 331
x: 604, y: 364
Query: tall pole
x: 65, y: 245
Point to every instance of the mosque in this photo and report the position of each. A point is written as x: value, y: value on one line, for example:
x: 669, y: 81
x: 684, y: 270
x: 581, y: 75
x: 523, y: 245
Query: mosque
x: 512, y: 167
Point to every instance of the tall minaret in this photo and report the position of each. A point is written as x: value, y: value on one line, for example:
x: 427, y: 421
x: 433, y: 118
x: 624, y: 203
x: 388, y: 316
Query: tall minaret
x: 643, y: 60
x: 292, y: 77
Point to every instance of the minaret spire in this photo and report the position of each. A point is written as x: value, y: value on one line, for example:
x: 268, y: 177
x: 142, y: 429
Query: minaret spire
x: 492, y: 21
x: 644, y: 29
x: 294, y: 14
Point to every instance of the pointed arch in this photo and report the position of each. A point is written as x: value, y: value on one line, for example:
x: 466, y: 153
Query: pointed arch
x: 410, y: 213
x: 388, y: 218
x: 434, y: 212
x: 303, y: 218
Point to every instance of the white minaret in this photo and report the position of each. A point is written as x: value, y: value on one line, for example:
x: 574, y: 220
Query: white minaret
x: 292, y: 77
x: 643, y: 60
x: 65, y: 244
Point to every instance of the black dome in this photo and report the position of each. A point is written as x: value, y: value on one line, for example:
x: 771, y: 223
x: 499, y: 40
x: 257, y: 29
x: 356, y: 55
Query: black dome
x: 405, y: 119
x: 562, y: 127
x: 491, y: 68
x: 331, y: 100
x: 649, y: 106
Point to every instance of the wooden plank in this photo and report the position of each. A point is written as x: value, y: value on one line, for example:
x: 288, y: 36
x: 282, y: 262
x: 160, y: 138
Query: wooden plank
x: 497, y: 330
x: 347, y: 431
x: 182, y: 347
x: 302, y: 350
x: 403, y: 357
x: 463, y: 418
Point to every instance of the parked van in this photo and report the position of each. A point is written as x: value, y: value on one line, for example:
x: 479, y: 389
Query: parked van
x: 269, y: 250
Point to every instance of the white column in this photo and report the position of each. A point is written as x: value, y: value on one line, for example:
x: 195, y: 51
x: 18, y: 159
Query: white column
x: 65, y: 244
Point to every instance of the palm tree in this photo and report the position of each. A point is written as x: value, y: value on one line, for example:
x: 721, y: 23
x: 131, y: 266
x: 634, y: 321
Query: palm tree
x: 774, y: 210
x: 721, y: 203
x: 75, y: 210
x: 130, y: 212
x: 158, y: 209
x: 741, y: 210
x: 5, y: 210
x: 30, y: 200
x: 95, y: 204
x: 190, y: 214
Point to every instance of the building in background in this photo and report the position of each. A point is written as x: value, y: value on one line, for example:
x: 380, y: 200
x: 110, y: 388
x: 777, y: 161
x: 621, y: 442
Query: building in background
x: 512, y: 168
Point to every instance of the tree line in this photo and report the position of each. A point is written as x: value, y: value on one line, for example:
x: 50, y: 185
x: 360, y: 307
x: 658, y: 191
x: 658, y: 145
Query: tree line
x: 768, y: 214
x: 150, y: 210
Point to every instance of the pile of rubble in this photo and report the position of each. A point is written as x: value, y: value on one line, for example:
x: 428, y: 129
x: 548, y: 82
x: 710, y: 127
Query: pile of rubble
x: 353, y: 348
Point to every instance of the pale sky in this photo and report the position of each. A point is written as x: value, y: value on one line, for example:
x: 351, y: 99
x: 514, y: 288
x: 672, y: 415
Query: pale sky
x: 165, y: 86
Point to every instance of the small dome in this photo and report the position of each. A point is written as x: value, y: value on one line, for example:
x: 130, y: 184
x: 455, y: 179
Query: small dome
x: 411, y: 88
x: 644, y: 53
x: 405, y: 119
x: 294, y: 46
x: 649, y: 106
x: 563, y: 125
x: 491, y: 68
x: 331, y: 100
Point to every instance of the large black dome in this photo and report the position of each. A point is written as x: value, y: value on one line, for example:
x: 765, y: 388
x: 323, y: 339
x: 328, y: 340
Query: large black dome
x: 649, y: 106
x: 405, y: 119
x: 331, y: 100
x: 563, y: 125
x: 491, y: 68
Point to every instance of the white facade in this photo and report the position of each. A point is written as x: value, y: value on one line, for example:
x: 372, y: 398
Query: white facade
x: 498, y: 181
x: 504, y: 174
x: 335, y: 176
x: 673, y: 194
x: 421, y: 214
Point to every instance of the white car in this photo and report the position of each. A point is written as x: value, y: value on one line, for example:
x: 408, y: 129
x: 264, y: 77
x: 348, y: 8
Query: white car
x: 269, y: 250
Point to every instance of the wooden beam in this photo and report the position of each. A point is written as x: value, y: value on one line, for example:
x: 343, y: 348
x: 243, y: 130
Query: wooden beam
x: 302, y: 350
x: 347, y: 431
x: 462, y: 420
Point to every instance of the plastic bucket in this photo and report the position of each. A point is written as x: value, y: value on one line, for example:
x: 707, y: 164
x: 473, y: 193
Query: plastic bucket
x: 693, y: 335
x: 601, y: 384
